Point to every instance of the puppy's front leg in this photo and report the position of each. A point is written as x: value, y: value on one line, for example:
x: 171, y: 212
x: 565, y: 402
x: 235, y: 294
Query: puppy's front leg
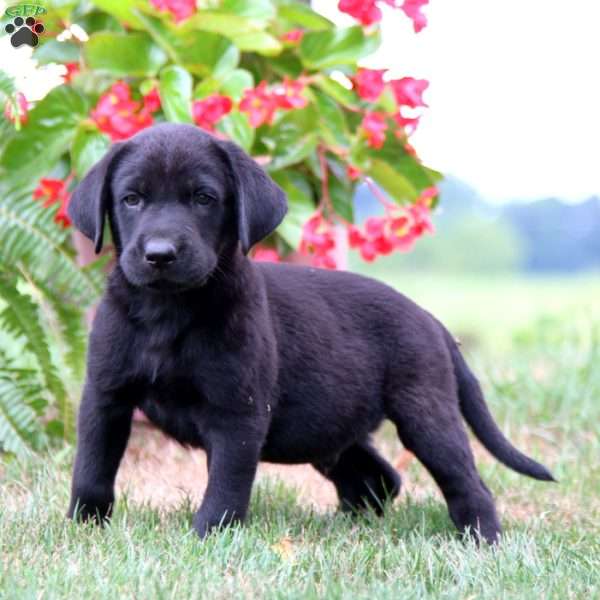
x: 103, y: 429
x: 234, y: 455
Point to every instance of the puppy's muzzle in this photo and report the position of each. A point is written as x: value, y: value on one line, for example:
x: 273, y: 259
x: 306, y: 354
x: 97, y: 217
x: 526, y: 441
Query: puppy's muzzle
x: 160, y: 253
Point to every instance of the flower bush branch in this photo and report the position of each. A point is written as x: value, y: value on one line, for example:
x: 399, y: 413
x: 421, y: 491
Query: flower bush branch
x: 276, y: 77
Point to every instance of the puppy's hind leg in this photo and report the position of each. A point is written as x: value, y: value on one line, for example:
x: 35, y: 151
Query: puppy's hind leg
x: 430, y: 425
x: 363, y: 478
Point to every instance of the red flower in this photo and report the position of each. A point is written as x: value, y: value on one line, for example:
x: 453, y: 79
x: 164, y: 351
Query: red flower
x: 288, y: 94
x: 374, y: 125
x: 369, y: 83
x: 412, y: 9
x: 211, y: 110
x: 409, y: 91
x: 428, y: 194
x: 259, y: 104
x: 365, y: 11
x: 318, y: 240
x: 408, y: 124
x: 262, y: 254
x: 294, y: 36
x: 353, y: 172
x: 22, y: 108
x: 421, y: 221
x: 398, y: 229
x: 180, y: 9
x: 72, y: 70
x: 117, y: 115
x: 152, y: 101
x: 324, y: 261
x: 54, y: 191
x: 355, y: 237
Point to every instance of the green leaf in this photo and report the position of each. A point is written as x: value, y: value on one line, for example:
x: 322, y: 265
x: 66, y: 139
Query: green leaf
x: 123, y: 10
x: 236, y: 127
x: 236, y: 82
x: 333, y: 47
x: 124, y: 55
x: 341, y: 190
x: 304, y: 16
x: 96, y: 20
x: 232, y: 84
x: 293, y: 151
x: 50, y: 129
x: 207, y: 87
x: 224, y: 23
x: 60, y: 52
x: 258, y: 41
x: 175, y: 88
x: 287, y: 63
x: 247, y: 34
x: 400, y: 188
x: 399, y: 160
x: 200, y: 52
x: 89, y: 146
x: 301, y: 205
x: 337, y: 91
x: 255, y: 9
x: 292, y: 138
x: 332, y: 122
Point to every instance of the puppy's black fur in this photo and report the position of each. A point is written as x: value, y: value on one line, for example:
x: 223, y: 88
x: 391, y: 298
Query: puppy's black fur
x: 258, y: 361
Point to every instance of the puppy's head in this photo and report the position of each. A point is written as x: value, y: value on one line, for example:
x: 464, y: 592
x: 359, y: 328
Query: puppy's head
x: 176, y: 198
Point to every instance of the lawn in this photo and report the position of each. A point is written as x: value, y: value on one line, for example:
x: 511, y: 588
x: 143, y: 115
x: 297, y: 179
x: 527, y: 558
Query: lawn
x: 536, y: 347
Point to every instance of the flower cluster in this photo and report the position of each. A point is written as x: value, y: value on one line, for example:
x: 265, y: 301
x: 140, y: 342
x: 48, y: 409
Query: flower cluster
x: 318, y: 241
x: 374, y: 126
x: 54, y: 191
x: 21, y: 112
x: 179, y: 9
x: 119, y: 116
x: 398, y: 229
x: 261, y: 103
x: 368, y: 12
x: 209, y: 111
x: 408, y: 92
x: 412, y: 9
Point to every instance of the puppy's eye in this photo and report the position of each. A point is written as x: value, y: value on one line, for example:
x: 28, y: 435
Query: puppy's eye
x: 201, y: 197
x: 132, y: 200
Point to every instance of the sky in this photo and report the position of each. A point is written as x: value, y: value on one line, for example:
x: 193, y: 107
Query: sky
x: 514, y: 92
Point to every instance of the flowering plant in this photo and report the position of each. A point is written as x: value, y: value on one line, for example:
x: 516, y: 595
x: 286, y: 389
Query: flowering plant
x: 274, y: 76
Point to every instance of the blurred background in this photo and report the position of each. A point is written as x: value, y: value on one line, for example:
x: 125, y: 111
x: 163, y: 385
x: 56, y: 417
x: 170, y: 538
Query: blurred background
x: 513, y: 124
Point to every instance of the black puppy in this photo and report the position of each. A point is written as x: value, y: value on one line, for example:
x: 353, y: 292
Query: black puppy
x: 258, y: 361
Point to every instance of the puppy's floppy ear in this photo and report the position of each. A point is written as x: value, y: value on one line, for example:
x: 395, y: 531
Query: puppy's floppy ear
x: 89, y: 201
x: 260, y: 203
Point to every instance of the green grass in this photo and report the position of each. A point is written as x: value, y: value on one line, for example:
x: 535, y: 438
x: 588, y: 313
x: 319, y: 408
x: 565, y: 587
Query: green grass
x: 540, y: 369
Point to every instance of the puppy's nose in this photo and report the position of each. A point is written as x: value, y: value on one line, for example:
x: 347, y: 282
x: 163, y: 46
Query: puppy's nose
x: 159, y: 252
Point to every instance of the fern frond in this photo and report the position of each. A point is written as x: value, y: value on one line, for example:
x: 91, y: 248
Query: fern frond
x: 29, y: 236
x: 66, y: 321
x: 8, y: 93
x: 21, y: 319
x: 7, y: 84
x: 20, y: 406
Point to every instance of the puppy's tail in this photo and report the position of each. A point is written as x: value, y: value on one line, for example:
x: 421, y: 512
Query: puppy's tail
x: 477, y: 415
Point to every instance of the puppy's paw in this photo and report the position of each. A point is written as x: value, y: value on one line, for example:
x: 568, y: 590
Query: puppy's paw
x: 205, y: 524
x: 85, y: 509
